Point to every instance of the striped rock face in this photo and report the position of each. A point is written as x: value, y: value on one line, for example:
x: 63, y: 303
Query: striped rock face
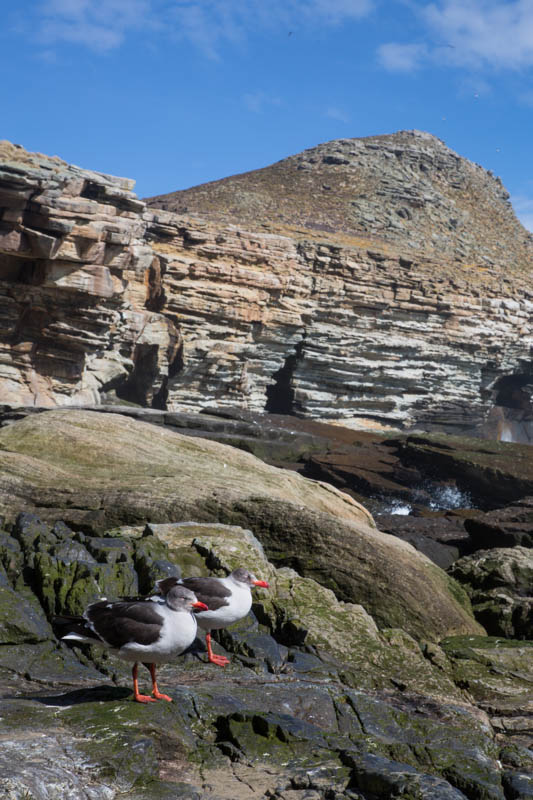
x: 411, y: 307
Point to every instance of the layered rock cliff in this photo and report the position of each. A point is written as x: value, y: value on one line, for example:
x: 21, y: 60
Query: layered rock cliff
x: 391, y: 325
x: 73, y: 270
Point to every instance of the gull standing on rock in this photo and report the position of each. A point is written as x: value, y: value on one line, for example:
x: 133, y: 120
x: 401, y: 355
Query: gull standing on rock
x: 152, y: 630
x: 227, y: 600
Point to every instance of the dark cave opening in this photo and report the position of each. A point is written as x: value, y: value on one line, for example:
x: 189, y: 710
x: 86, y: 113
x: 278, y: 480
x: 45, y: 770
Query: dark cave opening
x: 280, y: 394
x: 160, y: 399
x: 514, y: 391
x: 137, y: 389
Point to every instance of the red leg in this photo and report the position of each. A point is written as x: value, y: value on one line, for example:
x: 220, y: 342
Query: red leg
x: 140, y: 698
x: 221, y: 661
x: 155, y: 691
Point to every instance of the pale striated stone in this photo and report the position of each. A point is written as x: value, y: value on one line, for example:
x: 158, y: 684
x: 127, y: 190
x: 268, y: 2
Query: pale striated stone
x: 69, y: 334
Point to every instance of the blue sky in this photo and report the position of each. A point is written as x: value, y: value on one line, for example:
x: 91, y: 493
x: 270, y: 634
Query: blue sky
x: 178, y: 92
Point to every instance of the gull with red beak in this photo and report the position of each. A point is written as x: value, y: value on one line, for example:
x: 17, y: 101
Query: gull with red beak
x: 227, y: 599
x: 151, y: 630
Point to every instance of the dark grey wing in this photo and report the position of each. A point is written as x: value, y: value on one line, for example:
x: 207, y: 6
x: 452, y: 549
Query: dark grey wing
x: 118, y: 624
x: 209, y: 591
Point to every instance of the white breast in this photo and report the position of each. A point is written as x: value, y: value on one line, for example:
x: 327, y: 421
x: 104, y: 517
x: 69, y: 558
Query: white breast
x: 239, y: 604
x: 177, y: 633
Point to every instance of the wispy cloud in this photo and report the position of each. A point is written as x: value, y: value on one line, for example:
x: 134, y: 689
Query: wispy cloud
x: 334, y: 11
x: 100, y: 25
x: 258, y: 102
x: 103, y: 25
x: 209, y: 24
x: 337, y: 113
x: 523, y: 207
x: 401, y: 57
x: 477, y: 34
x: 495, y: 33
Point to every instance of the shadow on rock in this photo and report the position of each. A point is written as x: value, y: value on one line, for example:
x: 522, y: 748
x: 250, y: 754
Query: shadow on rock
x: 97, y: 694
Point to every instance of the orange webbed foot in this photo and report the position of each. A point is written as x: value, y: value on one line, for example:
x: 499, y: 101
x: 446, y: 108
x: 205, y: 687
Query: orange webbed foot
x: 220, y: 661
x: 160, y: 696
x: 143, y: 698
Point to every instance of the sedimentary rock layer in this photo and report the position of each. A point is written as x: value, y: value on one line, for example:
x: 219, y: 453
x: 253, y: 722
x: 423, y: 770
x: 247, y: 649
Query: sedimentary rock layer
x: 349, y: 332
x: 73, y: 272
x: 100, y: 295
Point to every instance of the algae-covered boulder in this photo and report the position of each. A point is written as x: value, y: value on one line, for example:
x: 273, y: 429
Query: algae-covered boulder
x: 302, y: 612
x: 497, y: 675
x: 99, y: 470
x: 500, y: 584
x: 131, y: 470
x: 397, y: 585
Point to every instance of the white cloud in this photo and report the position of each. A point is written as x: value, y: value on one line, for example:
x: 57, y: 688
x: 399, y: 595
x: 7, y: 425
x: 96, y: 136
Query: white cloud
x: 97, y: 24
x: 212, y: 23
x: 523, y: 207
x: 208, y: 24
x: 472, y: 86
x: 337, y: 113
x: 495, y: 33
x: 477, y: 34
x: 335, y: 11
x: 401, y: 57
x: 258, y: 102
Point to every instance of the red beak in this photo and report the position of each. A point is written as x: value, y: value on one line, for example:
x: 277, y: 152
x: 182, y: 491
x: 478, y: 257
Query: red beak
x: 200, y: 606
x: 262, y: 584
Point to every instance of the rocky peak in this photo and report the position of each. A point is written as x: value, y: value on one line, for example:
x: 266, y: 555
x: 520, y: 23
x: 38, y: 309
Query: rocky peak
x: 407, y: 188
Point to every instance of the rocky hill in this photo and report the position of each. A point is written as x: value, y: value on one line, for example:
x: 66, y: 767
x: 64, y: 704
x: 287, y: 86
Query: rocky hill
x: 406, y: 188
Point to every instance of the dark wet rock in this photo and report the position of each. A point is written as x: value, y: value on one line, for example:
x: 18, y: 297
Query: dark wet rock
x: 493, y: 473
x: 22, y: 620
x: 503, y: 527
x: 68, y: 586
x: 11, y: 558
x: 39, y: 765
x: 431, y: 536
x: 32, y: 533
x: 108, y: 550
x: 500, y: 584
x: 71, y: 551
x: 518, y: 786
x: 497, y: 675
x: 253, y: 645
x: 152, y: 561
x: 4, y: 580
x: 46, y: 663
x: 381, y: 777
